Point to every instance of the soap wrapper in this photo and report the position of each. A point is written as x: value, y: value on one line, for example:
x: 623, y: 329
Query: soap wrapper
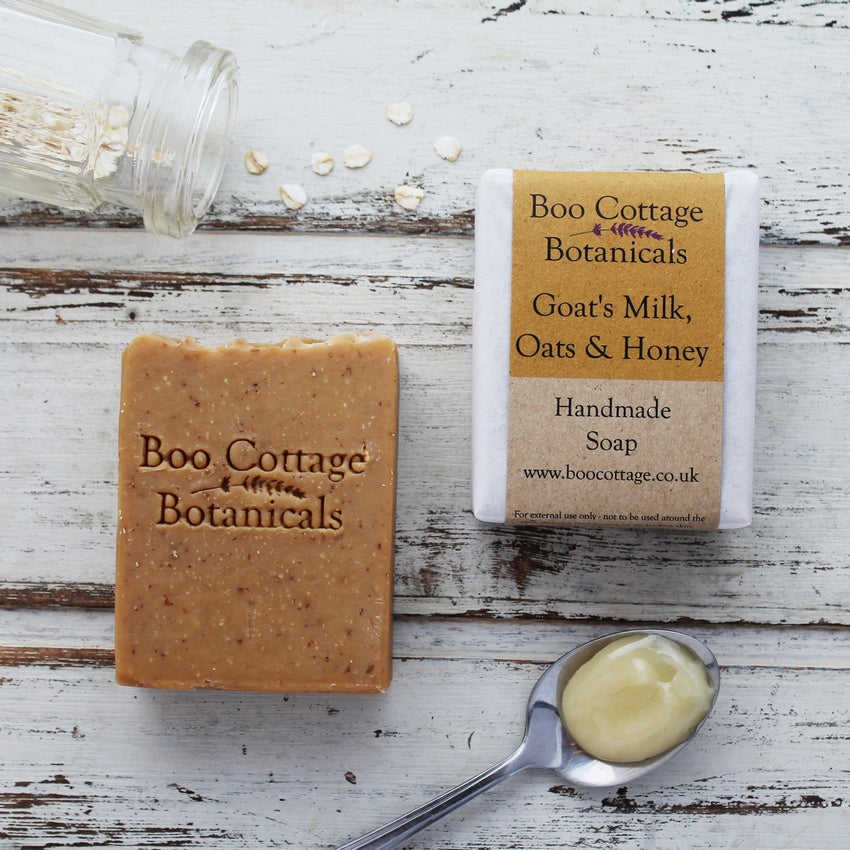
x: 614, y: 338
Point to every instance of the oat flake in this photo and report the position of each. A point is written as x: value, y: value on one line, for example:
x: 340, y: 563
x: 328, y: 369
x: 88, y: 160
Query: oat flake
x: 256, y: 162
x: 293, y: 196
x: 356, y: 156
x: 322, y: 163
x: 448, y: 148
x: 399, y: 113
x: 408, y: 196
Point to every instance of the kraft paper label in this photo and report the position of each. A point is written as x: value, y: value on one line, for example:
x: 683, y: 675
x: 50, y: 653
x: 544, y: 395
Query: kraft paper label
x: 616, y: 365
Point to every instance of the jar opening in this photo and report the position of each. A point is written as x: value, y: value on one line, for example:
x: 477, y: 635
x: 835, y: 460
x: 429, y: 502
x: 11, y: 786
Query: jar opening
x: 212, y: 145
x: 182, y: 159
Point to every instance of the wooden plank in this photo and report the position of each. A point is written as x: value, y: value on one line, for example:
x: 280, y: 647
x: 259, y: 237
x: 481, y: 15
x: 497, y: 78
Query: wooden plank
x: 481, y: 610
x: 525, y: 85
x: 90, y: 763
x: 66, y: 328
x: 28, y: 632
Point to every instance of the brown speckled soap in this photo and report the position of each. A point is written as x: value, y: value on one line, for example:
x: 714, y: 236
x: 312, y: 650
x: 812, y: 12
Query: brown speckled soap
x: 256, y: 515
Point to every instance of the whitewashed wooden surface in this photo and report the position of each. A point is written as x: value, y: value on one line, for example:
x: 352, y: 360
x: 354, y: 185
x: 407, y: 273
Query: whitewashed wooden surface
x: 480, y: 610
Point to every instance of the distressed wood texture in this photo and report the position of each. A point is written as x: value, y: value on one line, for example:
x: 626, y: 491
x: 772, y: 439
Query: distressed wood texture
x: 105, y: 766
x: 481, y: 610
x: 551, y: 84
x: 790, y: 567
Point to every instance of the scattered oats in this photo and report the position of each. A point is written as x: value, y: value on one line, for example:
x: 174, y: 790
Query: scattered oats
x: 356, y: 156
x: 164, y: 157
x: 408, y: 196
x: 256, y: 162
x: 115, y: 138
x: 66, y: 137
x: 119, y: 116
x: 52, y: 121
x: 293, y: 196
x: 107, y: 159
x: 113, y: 141
x: 322, y: 163
x: 448, y: 148
x: 399, y: 113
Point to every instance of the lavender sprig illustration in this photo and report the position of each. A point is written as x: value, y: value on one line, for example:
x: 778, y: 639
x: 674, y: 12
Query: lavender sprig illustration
x: 623, y: 228
x: 256, y: 484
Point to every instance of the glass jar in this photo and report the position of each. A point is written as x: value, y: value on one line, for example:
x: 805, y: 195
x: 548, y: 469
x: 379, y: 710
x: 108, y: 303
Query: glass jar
x: 89, y: 114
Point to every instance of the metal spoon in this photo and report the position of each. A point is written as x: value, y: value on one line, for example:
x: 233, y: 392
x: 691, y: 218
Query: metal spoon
x: 546, y: 744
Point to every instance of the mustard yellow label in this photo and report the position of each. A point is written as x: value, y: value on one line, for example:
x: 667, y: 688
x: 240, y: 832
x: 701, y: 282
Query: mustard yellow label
x: 616, y: 360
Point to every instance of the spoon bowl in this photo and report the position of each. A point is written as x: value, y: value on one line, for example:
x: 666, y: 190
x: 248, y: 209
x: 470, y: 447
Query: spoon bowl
x: 566, y: 757
x: 546, y: 744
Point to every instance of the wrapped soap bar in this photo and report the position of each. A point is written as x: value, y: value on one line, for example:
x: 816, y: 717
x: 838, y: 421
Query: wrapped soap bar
x: 256, y: 514
x: 614, y: 348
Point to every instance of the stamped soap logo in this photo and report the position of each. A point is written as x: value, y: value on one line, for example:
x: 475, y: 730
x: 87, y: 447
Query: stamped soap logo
x: 246, y: 485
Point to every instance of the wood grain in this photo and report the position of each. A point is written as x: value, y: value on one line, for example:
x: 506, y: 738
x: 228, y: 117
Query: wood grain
x: 789, y: 567
x: 480, y: 610
x: 667, y: 86
x: 215, y: 770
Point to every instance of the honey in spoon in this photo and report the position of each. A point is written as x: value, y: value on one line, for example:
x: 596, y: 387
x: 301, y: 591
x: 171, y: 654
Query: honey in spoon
x: 636, y: 698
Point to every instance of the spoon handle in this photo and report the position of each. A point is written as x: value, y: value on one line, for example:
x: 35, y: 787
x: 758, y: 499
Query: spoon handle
x: 396, y: 832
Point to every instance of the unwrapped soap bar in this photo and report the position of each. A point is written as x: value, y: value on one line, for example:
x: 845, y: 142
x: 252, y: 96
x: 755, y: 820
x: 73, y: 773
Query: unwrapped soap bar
x: 614, y: 349
x: 256, y: 514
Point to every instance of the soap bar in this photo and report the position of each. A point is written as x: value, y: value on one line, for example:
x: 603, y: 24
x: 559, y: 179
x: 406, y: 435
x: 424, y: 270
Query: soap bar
x: 634, y: 392
x: 256, y: 514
